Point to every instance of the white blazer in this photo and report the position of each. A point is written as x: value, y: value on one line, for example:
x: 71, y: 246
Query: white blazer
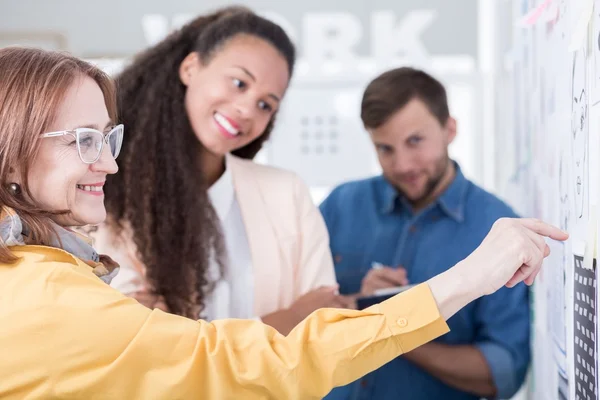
x: 288, y: 240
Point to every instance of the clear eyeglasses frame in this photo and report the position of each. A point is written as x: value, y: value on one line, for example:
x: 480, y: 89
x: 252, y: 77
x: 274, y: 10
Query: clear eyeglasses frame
x: 90, y: 142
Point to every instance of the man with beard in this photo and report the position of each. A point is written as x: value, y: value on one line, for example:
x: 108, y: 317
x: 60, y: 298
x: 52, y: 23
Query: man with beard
x: 415, y: 221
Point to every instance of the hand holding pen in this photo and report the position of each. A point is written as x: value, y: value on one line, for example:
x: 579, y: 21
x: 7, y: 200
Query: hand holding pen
x: 381, y: 277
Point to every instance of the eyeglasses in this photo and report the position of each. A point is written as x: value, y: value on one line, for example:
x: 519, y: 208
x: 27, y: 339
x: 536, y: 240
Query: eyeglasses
x: 90, y: 142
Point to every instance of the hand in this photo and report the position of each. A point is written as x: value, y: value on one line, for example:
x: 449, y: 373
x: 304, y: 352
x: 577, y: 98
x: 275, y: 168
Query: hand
x: 150, y: 300
x: 381, y: 278
x: 513, y: 251
x: 323, y: 297
x: 285, y: 320
x: 347, y: 302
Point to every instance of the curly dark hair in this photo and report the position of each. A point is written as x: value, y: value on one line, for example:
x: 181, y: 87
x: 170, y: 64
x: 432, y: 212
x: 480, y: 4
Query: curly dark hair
x: 158, y: 193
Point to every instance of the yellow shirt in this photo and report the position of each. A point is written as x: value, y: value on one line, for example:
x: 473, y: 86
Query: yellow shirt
x: 66, y: 334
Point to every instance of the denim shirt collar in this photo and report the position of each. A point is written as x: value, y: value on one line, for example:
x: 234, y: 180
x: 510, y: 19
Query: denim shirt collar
x: 451, y: 202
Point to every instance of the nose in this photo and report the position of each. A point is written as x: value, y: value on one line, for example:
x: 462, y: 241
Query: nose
x: 245, y: 106
x: 106, y: 163
x: 402, y: 163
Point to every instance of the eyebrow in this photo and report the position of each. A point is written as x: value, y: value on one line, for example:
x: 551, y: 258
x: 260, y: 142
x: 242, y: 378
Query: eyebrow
x: 277, y: 99
x: 94, y: 126
x: 247, y: 72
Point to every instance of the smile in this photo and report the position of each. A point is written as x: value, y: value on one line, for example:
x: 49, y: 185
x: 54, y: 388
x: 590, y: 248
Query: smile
x: 226, y: 126
x: 95, y: 189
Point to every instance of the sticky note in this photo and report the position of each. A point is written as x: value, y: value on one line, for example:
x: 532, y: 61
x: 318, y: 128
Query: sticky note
x: 581, y: 26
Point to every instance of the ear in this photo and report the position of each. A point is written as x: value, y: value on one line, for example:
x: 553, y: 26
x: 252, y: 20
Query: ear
x: 188, y: 67
x: 14, y: 175
x: 14, y: 181
x: 450, y: 129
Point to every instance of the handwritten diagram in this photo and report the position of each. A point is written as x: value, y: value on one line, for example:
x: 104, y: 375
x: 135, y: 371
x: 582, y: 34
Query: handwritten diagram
x: 556, y: 82
x: 557, y: 283
x: 579, y: 135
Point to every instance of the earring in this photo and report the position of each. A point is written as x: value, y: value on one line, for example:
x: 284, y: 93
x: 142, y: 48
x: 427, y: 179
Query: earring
x: 15, y: 188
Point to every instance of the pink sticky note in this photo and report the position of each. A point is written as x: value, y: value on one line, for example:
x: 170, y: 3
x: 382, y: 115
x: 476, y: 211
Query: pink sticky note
x: 533, y: 16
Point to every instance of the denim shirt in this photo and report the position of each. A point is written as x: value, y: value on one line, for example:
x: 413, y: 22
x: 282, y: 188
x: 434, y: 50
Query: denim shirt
x: 369, y: 222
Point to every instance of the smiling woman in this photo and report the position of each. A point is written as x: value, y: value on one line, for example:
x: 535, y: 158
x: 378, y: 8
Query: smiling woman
x: 59, y: 165
x: 76, y: 95
x: 198, y: 228
x: 226, y: 97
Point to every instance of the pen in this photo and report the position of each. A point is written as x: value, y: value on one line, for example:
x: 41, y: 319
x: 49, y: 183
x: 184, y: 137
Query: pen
x: 376, y: 265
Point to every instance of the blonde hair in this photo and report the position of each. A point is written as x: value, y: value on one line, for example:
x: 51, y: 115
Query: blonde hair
x: 34, y: 83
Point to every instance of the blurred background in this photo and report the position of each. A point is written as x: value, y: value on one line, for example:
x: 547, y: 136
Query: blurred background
x: 319, y: 133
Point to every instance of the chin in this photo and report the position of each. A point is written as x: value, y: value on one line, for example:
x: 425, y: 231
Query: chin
x: 218, y: 145
x: 410, y: 193
x: 217, y: 149
x: 89, y: 218
x: 414, y: 199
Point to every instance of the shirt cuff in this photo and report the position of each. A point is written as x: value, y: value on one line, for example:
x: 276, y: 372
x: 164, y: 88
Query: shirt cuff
x: 502, y: 367
x: 413, y: 317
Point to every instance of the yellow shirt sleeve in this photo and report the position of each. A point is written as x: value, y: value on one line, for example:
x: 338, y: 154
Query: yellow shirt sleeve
x: 82, y: 339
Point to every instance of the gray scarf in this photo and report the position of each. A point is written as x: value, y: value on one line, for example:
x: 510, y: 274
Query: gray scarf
x: 12, y: 233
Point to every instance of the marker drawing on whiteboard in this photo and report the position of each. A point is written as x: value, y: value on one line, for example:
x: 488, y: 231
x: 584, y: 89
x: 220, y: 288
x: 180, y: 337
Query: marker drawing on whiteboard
x: 579, y: 132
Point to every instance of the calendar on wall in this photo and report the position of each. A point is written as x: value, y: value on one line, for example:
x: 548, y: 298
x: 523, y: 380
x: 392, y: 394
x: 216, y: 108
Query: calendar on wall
x: 585, y: 327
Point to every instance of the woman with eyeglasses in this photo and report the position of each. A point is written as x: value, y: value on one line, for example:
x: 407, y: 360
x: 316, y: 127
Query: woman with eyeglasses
x: 65, y: 333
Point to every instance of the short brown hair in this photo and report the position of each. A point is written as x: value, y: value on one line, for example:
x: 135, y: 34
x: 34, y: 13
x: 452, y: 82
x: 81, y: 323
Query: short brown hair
x: 34, y: 84
x: 394, y: 89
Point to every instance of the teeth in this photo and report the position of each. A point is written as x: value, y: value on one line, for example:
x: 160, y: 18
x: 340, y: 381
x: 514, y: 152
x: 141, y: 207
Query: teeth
x: 225, y: 124
x: 90, y: 188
